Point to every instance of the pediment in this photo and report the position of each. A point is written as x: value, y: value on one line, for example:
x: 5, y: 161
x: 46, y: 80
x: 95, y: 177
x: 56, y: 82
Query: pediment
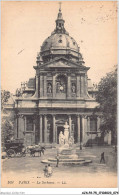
x: 62, y: 63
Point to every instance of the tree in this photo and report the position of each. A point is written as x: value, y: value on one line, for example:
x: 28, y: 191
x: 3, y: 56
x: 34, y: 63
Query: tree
x: 107, y: 98
x: 7, y: 116
x: 5, y: 95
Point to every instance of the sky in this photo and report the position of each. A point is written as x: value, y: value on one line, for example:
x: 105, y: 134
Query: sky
x: 25, y: 25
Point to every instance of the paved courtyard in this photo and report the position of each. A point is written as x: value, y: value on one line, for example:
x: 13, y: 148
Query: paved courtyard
x: 32, y: 166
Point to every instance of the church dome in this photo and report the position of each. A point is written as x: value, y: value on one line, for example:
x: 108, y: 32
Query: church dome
x: 59, y: 43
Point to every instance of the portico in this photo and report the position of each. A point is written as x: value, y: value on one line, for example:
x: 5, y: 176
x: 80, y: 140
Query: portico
x: 45, y: 128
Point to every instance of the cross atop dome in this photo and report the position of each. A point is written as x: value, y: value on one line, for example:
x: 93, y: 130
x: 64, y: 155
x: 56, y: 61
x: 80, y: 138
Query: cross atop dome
x: 60, y: 21
x: 60, y: 6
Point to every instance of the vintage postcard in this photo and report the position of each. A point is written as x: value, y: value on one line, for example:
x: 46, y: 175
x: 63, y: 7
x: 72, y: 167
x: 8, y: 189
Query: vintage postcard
x: 59, y: 94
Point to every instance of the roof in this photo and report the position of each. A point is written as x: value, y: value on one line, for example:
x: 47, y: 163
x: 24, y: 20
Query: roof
x: 59, y: 41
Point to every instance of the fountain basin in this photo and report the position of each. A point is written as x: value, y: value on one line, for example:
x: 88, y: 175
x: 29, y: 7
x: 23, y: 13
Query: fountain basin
x: 67, y: 156
x: 67, y: 161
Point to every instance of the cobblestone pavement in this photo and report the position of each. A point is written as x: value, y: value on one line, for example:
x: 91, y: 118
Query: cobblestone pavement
x: 33, y: 164
x: 93, y: 175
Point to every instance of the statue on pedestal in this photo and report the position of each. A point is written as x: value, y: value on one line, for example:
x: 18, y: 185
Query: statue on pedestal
x: 61, y: 138
x: 71, y: 141
x: 49, y: 88
x: 64, y: 139
x: 66, y: 133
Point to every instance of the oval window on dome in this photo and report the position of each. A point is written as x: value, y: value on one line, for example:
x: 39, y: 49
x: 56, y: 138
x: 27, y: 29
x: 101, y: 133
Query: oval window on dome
x: 60, y: 41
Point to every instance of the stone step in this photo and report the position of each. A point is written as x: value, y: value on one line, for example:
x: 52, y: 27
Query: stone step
x: 72, y: 156
x: 88, y: 156
x: 65, y: 160
x: 84, y: 162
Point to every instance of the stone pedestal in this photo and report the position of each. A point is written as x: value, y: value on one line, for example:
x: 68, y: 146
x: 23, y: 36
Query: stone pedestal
x: 65, y: 153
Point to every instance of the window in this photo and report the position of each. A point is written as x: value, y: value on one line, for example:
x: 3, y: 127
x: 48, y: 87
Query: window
x: 59, y: 24
x: 93, y: 124
x: 29, y: 123
x: 60, y: 41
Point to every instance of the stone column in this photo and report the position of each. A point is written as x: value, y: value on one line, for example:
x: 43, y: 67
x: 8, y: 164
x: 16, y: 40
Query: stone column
x: 56, y: 134
x: 82, y: 86
x: 45, y: 86
x: 98, y: 123
x: 85, y: 136
x: 45, y: 129
x: 69, y: 86
x: 86, y: 85
x: 15, y: 129
x: 17, y: 122
x: 70, y: 125
x: 78, y: 86
x: 54, y: 129
x: 54, y: 86
x: 78, y: 127
x: 83, y: 127
x: 40, y: 129
x: 24, y: 117
x: 98, y: 126
x: 88, y: 124
x: 19, y: 127
x: 24, y: 124
x: 41, y: 85
x: 34, y: 129
x: 37, y: 84
x: 85, y: 123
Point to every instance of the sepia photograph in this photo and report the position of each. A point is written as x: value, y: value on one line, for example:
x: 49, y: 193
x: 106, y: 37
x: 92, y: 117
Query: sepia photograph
x: 59, y: 94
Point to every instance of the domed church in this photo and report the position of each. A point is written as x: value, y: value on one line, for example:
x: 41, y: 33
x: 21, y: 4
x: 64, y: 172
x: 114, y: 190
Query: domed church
x: 60, y: 92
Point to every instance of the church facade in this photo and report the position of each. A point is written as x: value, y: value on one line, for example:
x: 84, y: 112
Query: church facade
x: 60, y: 92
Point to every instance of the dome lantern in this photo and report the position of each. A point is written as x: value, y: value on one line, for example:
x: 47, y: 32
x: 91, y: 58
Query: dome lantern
x: 60, y: 22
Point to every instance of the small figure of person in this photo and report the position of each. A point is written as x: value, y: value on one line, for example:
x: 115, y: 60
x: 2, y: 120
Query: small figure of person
x: 102, y: 157
x: 57, y: 158
x: 61, y: 138
x: 73, y: 88
x: 49, y: 174
x: 71, y: 141
x: 24, y: 151
x: 45, y: 171
x: 49, y: 89
x: 61, y: 88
